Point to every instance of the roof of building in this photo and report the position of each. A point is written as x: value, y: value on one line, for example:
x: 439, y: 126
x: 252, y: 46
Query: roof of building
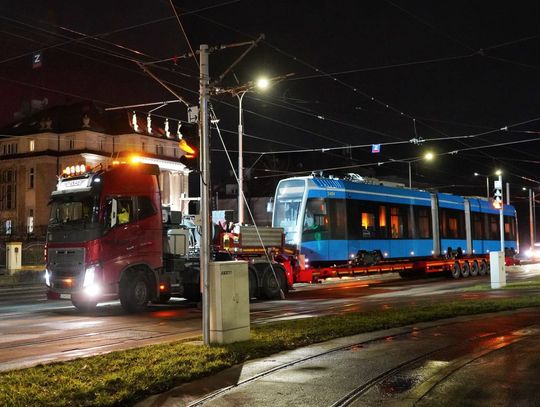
x: 82, y: 116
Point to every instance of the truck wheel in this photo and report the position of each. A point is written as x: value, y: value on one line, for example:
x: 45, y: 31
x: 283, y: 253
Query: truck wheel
x: 466, y: 270
x: 475, y: 268
x: 84, y: 306
x: 192, y: 292
x: 253, y: 284
x: 456, y: 270
x: 271, y: 285
x: 134, y: 292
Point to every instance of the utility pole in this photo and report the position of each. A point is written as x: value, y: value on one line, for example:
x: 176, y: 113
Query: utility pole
x: 205, y: 188
x: 531, y: 217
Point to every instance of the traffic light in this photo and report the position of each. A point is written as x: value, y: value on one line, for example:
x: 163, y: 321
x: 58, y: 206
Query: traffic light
x: 497, y: 196
x: 189, y: 145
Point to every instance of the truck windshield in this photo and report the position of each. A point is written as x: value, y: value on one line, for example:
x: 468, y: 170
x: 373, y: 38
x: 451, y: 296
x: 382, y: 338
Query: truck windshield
x: 74, y: 208
x: 287, y: 208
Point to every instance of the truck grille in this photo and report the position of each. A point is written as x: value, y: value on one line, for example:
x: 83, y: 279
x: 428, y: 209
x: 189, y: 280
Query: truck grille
x: 67, y: 262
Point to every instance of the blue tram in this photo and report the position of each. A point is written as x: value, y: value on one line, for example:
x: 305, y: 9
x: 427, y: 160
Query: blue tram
x: 330, y: 220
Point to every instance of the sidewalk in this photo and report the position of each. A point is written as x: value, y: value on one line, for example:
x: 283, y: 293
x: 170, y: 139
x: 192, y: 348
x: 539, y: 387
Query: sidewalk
x: 27, y: 275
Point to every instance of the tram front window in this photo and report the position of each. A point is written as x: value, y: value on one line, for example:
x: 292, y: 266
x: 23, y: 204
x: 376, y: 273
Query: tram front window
x: 287, y: 207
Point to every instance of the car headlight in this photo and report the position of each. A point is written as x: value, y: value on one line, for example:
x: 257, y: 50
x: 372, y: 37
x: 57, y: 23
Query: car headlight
x: 47, y: 278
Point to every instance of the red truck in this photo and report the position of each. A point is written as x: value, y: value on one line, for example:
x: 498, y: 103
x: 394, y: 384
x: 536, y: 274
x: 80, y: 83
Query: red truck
x: 109, y: 238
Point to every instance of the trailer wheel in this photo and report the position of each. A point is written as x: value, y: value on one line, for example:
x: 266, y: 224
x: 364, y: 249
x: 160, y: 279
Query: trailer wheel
x: 466, y: 269
x: 134, y: 291
x: 474, y: 268
x: 484, y: 269
x: 253, y: 283
x: 456, y: 270
x: 271, y: 285
x: 84, y: 306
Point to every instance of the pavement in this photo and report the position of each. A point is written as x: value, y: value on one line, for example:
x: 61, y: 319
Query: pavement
x: 483, y: 360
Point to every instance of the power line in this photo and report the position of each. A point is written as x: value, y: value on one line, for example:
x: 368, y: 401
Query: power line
x: 184, y: 32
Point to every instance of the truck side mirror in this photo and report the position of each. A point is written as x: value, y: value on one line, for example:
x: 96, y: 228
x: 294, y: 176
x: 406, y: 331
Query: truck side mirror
x: 112, y: 212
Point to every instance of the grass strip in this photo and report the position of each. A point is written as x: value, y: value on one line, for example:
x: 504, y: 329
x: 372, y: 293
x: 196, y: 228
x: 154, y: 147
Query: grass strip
x: 122, y: 378
x: 533, y: 283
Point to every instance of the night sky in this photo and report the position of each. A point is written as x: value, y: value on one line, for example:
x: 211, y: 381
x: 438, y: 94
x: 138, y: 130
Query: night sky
x: 365, y: 72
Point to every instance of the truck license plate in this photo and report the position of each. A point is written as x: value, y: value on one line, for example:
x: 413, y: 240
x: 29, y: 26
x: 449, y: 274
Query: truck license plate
x: 65, y: 296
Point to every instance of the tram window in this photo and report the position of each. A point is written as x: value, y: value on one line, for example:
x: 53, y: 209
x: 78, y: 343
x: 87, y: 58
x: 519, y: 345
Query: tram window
x: 494, y: 232
x: 423, y: 219
x: 452, y: 224
x: 383, y: 228
x: 315, y: 220
x: 339, y: 219
x: 509, y: 228
x: 368, y: 225
x: 478, y: 226
x: 398, y: 225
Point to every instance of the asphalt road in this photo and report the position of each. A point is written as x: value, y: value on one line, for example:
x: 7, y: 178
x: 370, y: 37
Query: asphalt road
x: 33, y: 330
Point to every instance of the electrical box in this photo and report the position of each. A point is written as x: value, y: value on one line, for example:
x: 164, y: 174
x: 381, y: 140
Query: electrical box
x: 228, y: 301
x: 497, y: 269
x: 13, y: 256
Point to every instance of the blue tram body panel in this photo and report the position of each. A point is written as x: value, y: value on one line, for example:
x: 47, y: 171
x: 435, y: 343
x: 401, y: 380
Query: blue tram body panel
x: 342, y: 231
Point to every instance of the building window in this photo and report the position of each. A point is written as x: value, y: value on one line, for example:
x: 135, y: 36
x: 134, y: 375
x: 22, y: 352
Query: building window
x: 70, y: 142
x: 8, y: 189
x: 159, y: 149
x: 30, y: 221
x: 9, y: 148
x: 31, y: 176
x: 32, y: 145
x: 101, y: 144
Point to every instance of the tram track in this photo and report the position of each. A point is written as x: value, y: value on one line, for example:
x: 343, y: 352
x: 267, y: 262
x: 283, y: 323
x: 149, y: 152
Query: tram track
x: 419, y: 391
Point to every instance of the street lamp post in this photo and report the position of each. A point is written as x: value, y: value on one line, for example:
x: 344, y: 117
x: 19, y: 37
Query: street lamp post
x: 240, y: 97
x: 428, y: 157
x: 487, y: 182
x: 262, y: 84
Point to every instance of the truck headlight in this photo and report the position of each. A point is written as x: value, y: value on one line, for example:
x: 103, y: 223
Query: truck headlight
x: 47, y: 278
x: 90, y: 286
x: 89, y: 276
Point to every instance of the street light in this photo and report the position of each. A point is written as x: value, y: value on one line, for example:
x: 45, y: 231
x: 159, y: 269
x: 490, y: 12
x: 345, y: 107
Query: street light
x: 262, y: 84
x: 429, y: 156
x: 487, y: 182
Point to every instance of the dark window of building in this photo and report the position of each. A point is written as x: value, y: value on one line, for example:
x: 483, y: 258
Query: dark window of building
x: 31, y: 176
x: 8, y: 189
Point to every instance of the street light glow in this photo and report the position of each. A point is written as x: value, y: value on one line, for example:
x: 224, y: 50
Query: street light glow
x: 429, y: 156
x: 263, y: 83
x: 498, y: 172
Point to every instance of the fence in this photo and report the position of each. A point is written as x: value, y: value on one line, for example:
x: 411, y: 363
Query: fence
x: 32, y: 254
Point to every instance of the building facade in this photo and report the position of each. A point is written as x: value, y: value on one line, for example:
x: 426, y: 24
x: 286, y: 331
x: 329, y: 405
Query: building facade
x: 35, y: 150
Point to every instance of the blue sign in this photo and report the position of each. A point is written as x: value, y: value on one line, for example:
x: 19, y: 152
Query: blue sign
x: 375, y: 148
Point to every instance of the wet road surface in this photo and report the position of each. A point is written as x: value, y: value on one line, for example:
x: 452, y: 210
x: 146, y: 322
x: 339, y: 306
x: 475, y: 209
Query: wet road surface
x: 487, y: 360
x: 33, y: 330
